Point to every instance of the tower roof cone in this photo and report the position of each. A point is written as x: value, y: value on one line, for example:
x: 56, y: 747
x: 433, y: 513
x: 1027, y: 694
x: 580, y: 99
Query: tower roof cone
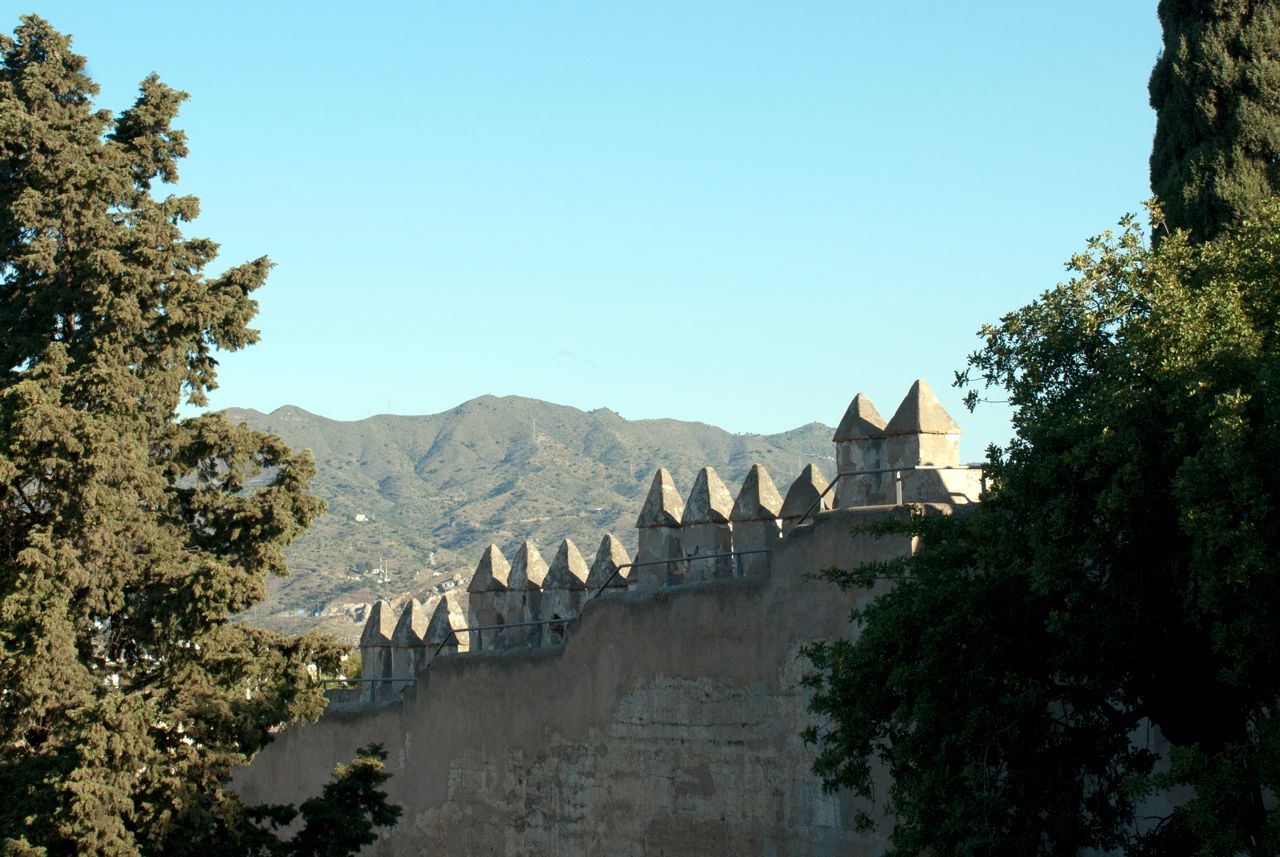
x: 412, y: 624
x: 861, y: 421
x: 380, y: 625
x: 709, y: 501
x: 439, y: 627
x: 804, y: 493
x: 491, y: 572
x: 568, y: 568
x: 758, y: 499
x: 528, y: 568
x: 921, y: 413
x: 609, y: 556
x: 663, y: 506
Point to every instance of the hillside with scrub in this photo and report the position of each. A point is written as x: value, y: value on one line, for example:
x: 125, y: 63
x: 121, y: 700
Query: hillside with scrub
x: 413, y: 500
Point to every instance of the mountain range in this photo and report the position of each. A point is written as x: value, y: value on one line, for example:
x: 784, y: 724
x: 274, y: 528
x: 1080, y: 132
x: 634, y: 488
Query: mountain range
x: 414, y: 500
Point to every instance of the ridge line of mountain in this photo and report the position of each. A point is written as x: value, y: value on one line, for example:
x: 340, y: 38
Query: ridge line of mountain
x: 487, y: 397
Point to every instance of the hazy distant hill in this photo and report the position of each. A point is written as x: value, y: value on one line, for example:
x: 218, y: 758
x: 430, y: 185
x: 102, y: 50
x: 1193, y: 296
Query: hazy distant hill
x: 424, y: 495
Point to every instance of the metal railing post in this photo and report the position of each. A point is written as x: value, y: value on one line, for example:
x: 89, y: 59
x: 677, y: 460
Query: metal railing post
x: 560, y: 626
x: 899, y: 491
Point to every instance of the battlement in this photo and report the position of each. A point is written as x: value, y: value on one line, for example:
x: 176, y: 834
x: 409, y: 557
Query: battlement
x: 708, y: 535
x: 637, y: 706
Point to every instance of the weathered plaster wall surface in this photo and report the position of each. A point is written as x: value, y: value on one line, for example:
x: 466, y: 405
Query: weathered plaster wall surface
x: 667, y: 724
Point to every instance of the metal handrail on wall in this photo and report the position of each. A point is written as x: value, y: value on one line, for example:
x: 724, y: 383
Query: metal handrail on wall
x: 670, y: 560
x: 452, y: 636
x: 337, y: 682
x: 735, y: 554
x: 897, y: 482
x: 453, y: 632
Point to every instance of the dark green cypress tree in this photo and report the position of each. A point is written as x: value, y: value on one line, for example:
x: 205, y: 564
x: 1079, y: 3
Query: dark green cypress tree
x: 128, y: 537
x: 1216, y: 92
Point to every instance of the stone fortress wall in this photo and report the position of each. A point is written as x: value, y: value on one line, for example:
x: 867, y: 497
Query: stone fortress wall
x: 634, y: 707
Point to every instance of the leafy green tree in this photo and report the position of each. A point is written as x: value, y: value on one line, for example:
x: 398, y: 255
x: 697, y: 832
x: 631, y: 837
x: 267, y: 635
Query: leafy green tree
x: 127, y: 536
x: 1216, y: 92
x: 1113, y: 601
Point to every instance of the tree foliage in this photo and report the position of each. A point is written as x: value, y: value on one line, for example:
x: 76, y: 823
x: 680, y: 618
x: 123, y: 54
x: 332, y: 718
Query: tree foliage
x: 340, y: 821
x: 127, y: 536
x: 1112, y: 603
x: 1216, y: 92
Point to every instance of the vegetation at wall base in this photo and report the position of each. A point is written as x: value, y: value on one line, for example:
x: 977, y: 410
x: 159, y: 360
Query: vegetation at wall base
x: 1112, y: 603
x: 128, y: 536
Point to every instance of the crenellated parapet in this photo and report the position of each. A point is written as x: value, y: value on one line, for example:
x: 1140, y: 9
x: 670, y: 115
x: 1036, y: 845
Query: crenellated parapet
x: 407, y: 640
x: 860, y: 456
x: 924, y: 441
x: 564, y: 589
x: 375, y: 642
x: 522, y: 600
x: 921, y: 431
x: 446, y: 631
x: 536, y: 711
x: 394, y: 650
x: 659, y: 553
x: 710, y: 535
x: 611, y: 569
x: 705, y: 528
x: 807, y: 496
x: 488, y: 588
x: 755, y: 516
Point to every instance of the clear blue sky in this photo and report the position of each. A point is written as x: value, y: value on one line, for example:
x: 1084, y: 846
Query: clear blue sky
x: 739, y: 213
